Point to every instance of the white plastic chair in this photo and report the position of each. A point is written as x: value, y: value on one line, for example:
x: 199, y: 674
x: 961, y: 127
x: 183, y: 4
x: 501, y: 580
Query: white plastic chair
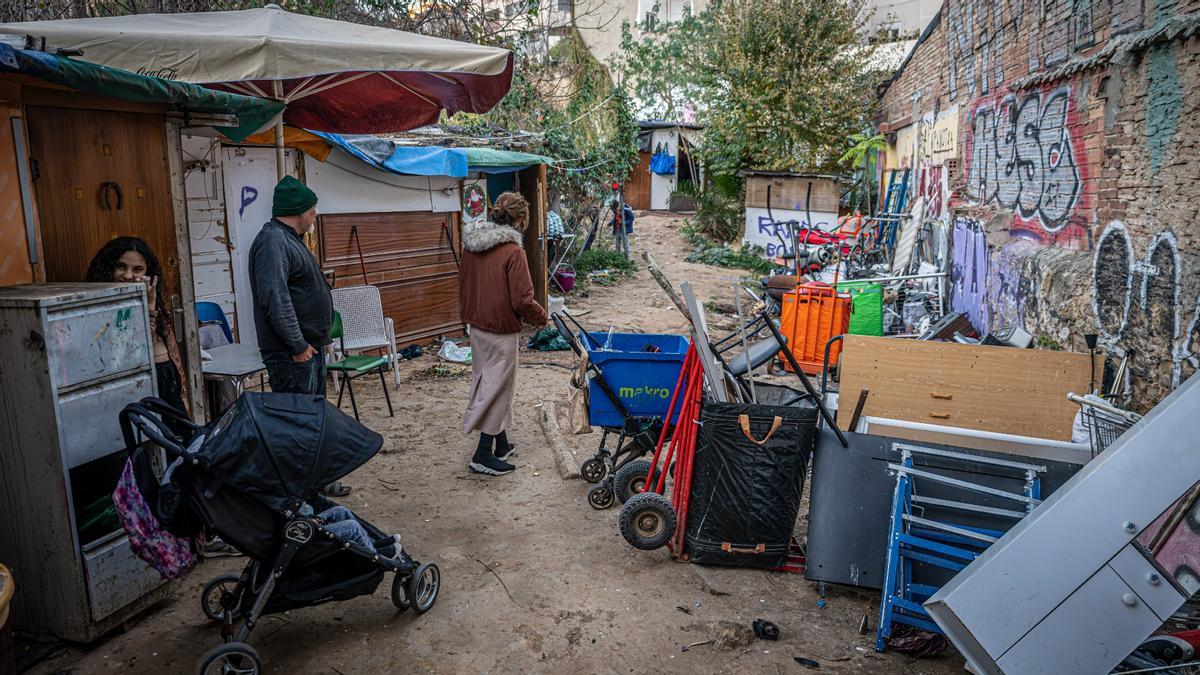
x: 365, y: 326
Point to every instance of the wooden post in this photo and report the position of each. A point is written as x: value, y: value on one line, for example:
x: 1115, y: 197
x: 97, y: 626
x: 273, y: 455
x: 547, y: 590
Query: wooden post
x: 187, y: 291
x: 666, y: 285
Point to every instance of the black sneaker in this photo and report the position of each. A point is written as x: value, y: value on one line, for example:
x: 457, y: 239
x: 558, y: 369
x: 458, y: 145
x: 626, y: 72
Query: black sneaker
x: 505, y: 454
x: 487, y: 463
x: 215, y: 547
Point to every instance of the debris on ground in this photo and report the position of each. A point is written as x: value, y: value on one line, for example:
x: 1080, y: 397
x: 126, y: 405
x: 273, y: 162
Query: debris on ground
x: 765, y: 630
x: 730, y: 635
x: 441, y: 371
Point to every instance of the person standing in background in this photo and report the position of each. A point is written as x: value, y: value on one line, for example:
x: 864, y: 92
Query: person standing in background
x: 495, y: 294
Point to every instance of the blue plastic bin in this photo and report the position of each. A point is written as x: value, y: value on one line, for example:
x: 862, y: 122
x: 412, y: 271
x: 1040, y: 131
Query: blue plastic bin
x: 643, y: 381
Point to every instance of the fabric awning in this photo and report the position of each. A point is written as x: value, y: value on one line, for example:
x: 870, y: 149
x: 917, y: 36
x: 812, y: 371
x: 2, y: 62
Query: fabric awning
x: 334, y: 75
x: 491, y: 160
x: 252, y: 113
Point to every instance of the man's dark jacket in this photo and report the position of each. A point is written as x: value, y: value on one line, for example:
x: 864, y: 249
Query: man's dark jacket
x: 292, y: 304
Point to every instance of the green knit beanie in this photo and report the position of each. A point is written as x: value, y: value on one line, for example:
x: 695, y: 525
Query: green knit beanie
x: 292, y: 198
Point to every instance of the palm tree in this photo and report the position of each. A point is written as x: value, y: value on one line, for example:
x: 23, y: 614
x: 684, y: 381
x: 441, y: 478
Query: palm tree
x: 860, y: 155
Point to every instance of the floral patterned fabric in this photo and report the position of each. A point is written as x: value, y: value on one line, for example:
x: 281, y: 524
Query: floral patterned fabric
x: 171, y: 556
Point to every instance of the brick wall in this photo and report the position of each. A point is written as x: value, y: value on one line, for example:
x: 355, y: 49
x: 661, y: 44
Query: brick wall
x: 1071, y: 202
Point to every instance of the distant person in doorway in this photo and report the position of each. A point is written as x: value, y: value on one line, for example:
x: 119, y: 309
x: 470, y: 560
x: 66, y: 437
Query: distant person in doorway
x: 130, y: 260
x: 293, y: 308
x: 495, y: 295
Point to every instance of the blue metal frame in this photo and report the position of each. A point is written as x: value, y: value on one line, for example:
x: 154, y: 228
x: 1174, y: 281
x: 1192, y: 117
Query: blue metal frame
x: 910, y: 542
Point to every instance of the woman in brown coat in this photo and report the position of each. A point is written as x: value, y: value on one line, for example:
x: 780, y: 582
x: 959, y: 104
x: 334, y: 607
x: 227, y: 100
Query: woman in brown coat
x: 495, y: 293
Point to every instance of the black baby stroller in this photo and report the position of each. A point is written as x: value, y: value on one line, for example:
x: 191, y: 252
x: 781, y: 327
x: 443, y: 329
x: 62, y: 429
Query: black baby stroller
x: 246, y: 477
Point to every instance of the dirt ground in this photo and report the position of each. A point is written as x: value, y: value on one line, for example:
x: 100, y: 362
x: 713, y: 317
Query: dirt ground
x: 534, y: 580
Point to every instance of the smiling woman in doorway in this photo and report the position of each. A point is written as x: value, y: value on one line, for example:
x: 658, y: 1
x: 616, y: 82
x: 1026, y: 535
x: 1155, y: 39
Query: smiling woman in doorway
x: 130, y: 260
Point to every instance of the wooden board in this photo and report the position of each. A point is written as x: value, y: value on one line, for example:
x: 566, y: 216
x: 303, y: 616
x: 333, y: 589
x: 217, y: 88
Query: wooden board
x: 637, y: 188
x: 78, y: 150
x: 1001, y: 389
x: 789, y: 192
x: 408, y: 257
x: 532, y: 182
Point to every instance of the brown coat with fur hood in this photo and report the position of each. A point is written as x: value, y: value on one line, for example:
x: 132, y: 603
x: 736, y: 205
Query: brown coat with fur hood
x: 495, y: 291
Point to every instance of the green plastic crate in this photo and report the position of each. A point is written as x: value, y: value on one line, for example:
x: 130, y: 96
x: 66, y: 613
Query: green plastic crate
x: 866, y: 306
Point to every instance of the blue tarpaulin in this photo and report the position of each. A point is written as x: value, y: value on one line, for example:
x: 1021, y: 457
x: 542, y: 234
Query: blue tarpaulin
x: 420, y: 160
x: 410, y: 160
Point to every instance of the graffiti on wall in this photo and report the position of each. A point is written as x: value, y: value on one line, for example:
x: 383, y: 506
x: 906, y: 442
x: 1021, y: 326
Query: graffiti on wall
x: 1022, y: 157
x: 978, y: 33
x: 968, y: 272
x: 1132, y: 295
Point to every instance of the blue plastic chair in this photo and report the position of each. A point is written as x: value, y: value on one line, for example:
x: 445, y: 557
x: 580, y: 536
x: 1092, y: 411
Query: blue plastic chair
x: 207, y: 312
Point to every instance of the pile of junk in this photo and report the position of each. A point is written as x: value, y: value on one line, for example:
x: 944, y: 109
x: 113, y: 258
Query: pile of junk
x: 989, y: 506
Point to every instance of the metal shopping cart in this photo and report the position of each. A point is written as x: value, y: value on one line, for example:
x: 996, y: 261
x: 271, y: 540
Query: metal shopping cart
x: 1105, y: 423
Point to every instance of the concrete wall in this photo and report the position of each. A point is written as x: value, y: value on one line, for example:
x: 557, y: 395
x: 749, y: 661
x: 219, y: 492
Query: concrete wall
x: 909, y: 17
x: 1072, y: 187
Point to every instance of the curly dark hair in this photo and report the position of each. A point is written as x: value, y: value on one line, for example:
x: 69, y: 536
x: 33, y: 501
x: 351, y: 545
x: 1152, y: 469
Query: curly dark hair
x: 105, y: 261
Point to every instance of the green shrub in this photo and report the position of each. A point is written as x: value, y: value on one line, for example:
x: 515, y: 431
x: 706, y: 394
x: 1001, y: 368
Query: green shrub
x: 597, y: 259
x: 723, y: 255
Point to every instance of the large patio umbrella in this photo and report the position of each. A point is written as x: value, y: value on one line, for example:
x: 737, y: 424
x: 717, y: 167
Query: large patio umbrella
x: 334, y: 76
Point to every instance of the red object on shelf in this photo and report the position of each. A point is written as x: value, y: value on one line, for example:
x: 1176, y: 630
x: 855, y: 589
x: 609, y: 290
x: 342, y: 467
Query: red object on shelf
x: 812, y: 314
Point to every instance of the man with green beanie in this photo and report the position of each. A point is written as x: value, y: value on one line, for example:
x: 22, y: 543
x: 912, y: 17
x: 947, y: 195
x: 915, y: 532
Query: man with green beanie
x: 293, y: 308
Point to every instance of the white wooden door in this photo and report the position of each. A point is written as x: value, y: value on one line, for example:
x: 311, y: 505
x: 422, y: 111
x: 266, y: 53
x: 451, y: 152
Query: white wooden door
x: 250, y: 178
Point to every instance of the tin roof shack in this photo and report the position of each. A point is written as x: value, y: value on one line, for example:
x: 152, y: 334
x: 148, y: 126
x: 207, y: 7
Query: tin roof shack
x: 665, y: 165
x: 87, y: 153
x: 390, y: 216
x: 776, y: 199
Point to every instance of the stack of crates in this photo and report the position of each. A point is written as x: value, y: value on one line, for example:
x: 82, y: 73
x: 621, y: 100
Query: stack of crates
x: 812, y: 314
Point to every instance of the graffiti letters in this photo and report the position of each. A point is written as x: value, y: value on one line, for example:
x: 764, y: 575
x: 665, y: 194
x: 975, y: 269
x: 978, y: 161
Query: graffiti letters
x: 249, y: 194
x: 1153, y: 308
x: 1023, y: 158
x: 968, y: 272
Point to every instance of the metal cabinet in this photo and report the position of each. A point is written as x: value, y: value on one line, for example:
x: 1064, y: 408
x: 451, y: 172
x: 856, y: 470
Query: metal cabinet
x: 73, y: 356
x: 1073, y: 588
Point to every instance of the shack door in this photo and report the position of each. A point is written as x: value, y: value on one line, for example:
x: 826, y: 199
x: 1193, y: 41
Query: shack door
x: 408, y: 256
x: 637, y: 188
x: 533, y: 187
x: 100, y: 175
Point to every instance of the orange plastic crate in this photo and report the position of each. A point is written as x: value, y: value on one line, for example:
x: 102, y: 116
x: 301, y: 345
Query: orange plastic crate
x: 812, y: 314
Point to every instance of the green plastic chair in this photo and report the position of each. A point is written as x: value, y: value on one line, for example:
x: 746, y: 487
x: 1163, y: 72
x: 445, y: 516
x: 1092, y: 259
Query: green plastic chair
x: 355, y: 366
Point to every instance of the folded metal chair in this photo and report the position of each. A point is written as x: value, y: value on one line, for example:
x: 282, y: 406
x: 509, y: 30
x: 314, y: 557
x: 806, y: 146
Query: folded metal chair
x: 364, y: 325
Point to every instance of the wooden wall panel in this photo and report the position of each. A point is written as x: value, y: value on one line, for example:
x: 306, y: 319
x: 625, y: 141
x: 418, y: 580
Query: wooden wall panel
x: 15, y: 267
x: 789, y: 192
x: 78, y: 150
x: 407, y: 255
x: 1000, y: 389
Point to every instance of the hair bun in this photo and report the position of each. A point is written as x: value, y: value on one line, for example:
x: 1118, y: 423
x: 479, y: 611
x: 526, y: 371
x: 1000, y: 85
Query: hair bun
x: 510, y: 209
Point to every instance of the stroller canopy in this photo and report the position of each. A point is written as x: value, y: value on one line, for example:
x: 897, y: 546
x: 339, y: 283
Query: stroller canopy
x: 282, y: 448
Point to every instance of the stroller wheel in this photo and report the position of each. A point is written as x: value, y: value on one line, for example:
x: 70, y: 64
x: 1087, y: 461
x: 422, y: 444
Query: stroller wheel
x: 231, y: 658
x: 593, y: 470
x: 423, y: 587
x: 400, y: 592
x: 218, y: 595
x: 600, y: 497
x: 631, y: 479
x: 647, y: 521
